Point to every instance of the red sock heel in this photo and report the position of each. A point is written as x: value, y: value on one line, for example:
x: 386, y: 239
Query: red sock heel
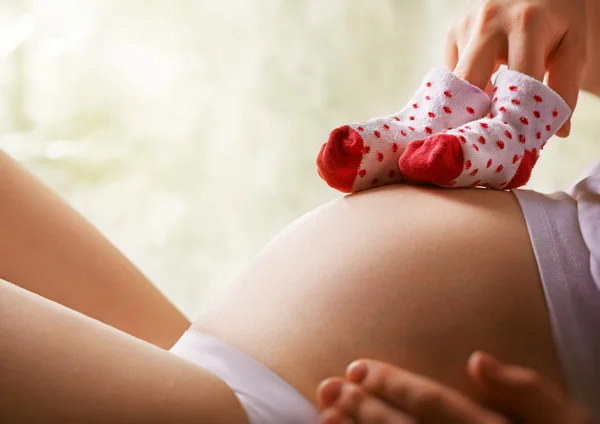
x: 436, y: 160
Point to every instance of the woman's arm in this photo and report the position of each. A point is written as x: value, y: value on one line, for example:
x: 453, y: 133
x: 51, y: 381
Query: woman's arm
x: 57, y: 365
x: 49, y: 249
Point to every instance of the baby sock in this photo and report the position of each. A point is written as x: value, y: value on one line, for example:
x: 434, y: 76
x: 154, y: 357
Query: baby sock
x: 497, y: 152
x: 365, y: 155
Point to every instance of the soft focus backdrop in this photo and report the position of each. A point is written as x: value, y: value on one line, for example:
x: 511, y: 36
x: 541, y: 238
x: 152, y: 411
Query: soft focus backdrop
x: 187, y: 130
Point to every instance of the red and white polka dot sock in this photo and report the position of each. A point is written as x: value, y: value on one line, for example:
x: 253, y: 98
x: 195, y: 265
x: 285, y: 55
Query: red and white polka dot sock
x: 497, y: 152
x: 365, y: 155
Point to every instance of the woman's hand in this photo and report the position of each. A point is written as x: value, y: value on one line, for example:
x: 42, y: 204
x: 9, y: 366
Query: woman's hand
x: 530, y: 36
x: 378, y: 393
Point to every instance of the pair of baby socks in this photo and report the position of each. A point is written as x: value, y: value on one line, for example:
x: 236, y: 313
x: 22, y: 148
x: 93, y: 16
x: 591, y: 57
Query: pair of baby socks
x: 451, y: 134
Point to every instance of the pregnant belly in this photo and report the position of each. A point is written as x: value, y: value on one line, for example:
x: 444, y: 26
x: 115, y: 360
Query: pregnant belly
x: 414, y: 276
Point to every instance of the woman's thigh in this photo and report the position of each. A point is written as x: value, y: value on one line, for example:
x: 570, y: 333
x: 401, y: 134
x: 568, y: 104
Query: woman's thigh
x: 57, y: 365
x: 49, y: 249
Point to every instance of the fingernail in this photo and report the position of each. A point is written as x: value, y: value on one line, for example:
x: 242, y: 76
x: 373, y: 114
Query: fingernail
x: 491, y: 366
x: 357, y: 371
x: 487, y: 361
x: 329, y: 392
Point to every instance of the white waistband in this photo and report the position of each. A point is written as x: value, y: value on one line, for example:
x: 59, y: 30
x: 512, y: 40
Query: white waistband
x: 266, y: 397
x: 571, y: 293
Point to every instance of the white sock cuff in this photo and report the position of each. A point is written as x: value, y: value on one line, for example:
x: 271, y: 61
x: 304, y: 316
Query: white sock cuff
x: 467, y: 93
x: 532, y: 88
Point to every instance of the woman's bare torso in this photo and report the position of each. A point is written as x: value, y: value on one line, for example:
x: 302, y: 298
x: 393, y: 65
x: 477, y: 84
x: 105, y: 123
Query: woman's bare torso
x: 414, y: 276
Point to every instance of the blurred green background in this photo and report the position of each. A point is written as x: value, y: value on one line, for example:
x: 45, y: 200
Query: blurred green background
x: 187, y: 130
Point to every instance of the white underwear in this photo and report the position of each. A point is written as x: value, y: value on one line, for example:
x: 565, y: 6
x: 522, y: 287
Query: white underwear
x: 266, y: 397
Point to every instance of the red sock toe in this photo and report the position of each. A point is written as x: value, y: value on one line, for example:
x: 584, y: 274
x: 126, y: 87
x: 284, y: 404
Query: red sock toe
x: 524, y: 171
x: 436, y: 160
x: 340, y: 158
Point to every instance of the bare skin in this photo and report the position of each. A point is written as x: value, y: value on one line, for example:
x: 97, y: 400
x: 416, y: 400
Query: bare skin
x: 536, y: 37
x: 49, y: 249
x: 306, y: 307
x: 376, y: 392
x: 533, y: 37
x: 58, y: 366
x: 398, y: 256
x: 420, y: 263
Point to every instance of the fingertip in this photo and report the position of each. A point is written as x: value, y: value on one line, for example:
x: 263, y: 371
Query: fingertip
x: 483, y: 367
x: 328, y: 391
x: 564, y: 77
x: 489, y: 88
x: 482, y: 359
x: 569, y: 91
x: 475, y: 372
x: 357, y: 371
x: 474, y: 360
x: 565, y: 130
